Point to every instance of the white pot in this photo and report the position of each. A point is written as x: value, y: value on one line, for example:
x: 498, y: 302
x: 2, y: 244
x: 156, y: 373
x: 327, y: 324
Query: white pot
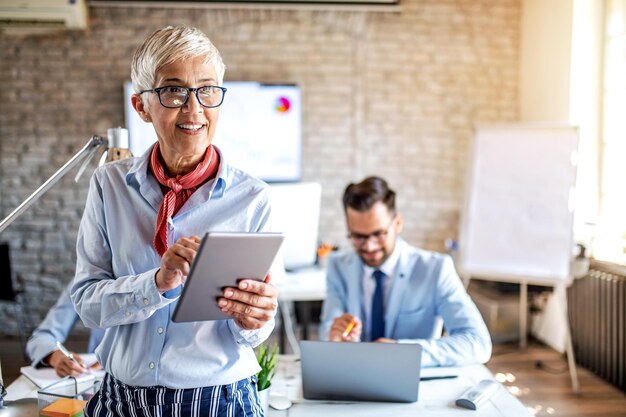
x: 264, y: 399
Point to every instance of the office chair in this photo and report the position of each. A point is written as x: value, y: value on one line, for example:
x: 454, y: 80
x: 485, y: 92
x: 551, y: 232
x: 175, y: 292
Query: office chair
x: 15, y: 296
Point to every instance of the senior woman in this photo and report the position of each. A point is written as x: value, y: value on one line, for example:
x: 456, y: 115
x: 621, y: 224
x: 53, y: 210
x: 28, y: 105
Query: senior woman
x: 139, y: 235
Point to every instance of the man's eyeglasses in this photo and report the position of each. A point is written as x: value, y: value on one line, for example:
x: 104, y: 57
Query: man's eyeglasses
x: 379, y: 235
x: 173, y: 96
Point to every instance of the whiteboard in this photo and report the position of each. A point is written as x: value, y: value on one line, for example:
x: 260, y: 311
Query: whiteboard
x: 518, y: 215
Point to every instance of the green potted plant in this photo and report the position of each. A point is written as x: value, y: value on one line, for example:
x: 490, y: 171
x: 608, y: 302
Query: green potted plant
x: 268, y: 359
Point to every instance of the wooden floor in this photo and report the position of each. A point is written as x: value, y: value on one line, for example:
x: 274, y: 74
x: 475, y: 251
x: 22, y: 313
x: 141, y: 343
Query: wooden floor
x: 539, y: 377
x: 545, y: 392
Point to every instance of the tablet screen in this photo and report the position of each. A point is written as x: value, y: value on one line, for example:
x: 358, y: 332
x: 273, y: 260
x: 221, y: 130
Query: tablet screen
x: 222, y: 260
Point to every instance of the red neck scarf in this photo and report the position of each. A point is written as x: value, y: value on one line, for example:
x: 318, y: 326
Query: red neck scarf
x: 177, y: 190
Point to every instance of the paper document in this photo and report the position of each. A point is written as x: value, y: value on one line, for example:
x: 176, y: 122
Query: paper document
x: 42, y: 377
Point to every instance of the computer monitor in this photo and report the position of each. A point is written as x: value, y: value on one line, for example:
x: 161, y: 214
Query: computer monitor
x: 141, y: 135
x: 296, y: 213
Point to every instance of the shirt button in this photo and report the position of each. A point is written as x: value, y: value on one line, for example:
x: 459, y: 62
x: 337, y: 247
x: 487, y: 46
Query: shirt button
x: 127, y: 313
x: 160, y: 330
x: 151, y: 365
x: 145, y: 301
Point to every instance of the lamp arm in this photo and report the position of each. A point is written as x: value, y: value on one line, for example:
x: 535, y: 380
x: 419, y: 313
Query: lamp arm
x: 89, y: 150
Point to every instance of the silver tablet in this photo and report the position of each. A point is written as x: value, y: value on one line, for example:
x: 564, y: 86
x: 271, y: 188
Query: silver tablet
x: 222, y: 260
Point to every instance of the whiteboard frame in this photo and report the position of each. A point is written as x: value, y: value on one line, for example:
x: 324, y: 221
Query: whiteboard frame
x: 513, y: 277
x: 559, y: 284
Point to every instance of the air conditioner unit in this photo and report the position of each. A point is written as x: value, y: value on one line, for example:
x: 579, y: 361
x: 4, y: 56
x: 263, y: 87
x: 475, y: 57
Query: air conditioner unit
x: 350, y: 5
x: 42, y: 15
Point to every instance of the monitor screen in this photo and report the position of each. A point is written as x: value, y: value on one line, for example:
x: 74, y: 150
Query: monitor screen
x: 259, y: 129
x: 141, y: 135
x: 296, y: 213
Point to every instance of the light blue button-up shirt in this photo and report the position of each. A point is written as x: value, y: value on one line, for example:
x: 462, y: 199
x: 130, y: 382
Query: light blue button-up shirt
x: 56, y: 327
x: 115, y: 287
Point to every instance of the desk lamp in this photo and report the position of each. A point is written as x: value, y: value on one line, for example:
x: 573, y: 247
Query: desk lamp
x: 116, y: 147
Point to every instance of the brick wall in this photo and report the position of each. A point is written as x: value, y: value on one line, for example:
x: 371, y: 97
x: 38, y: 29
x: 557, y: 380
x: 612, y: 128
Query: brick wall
x: 394, y: 94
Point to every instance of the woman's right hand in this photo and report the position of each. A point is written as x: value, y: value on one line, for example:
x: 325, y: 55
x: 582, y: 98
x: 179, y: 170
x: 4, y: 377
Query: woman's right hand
x: 64, y: 365
x: 176, y: 262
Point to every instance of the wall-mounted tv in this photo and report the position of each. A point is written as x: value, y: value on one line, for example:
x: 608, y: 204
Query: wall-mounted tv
x: 259, y: 129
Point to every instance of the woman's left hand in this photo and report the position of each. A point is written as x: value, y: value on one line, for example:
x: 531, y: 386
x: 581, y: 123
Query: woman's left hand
x: 252, y: 303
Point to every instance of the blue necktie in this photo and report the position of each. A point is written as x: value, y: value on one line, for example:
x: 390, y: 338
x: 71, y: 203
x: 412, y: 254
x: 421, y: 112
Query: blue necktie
x: 378, y: 313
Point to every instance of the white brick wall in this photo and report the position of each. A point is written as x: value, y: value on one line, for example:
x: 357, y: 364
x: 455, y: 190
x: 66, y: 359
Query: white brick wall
x: 393, y: 94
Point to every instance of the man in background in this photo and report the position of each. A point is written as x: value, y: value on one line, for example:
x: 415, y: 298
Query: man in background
x: 59, y: 322
x: 388, y: 291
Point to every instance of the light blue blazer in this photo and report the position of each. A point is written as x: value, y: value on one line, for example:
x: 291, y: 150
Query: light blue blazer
x: 425, y: 289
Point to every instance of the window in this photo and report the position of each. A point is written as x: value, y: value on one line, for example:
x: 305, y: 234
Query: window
x: 610, y: 237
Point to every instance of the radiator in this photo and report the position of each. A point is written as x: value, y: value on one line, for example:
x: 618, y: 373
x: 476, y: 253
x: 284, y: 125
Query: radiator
x: 598, y: 322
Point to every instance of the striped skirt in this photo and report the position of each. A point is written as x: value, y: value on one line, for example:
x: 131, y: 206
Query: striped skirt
x: 116, y: 399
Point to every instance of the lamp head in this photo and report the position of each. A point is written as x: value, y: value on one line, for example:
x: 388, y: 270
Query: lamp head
x: 118, y: 144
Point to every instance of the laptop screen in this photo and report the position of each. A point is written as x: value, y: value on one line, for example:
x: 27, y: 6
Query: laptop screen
x: 387, y: 372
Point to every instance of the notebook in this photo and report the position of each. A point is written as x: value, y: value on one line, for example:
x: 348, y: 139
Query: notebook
x: 388, y: 372
x: 43, y: 377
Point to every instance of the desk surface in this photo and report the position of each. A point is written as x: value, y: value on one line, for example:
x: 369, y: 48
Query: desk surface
x: 436, y: 397
x: 22, y: 387
x: 302, y: 285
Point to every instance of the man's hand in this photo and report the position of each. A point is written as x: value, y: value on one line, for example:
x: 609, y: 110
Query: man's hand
x: 176, y: 262
x: 385, y: 340
x: 341, y: 324
x: 251, y: 304
x: 65, y: 366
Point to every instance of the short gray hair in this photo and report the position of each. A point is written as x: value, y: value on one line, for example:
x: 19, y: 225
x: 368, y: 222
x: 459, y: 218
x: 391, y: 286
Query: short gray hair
x: 168, y: 45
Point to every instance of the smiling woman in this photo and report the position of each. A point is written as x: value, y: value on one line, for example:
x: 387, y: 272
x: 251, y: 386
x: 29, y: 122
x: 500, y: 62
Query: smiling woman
x: 140, y: 233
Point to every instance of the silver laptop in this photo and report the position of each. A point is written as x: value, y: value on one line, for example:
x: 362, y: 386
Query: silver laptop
x: 360, y: 371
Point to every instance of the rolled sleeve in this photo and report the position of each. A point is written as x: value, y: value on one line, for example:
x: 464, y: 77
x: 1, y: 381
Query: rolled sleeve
x: 251, y: 338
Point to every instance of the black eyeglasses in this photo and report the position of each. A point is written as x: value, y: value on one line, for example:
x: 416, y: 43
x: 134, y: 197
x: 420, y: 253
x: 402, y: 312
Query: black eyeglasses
x: 379, y: 235
x: 173, y: 96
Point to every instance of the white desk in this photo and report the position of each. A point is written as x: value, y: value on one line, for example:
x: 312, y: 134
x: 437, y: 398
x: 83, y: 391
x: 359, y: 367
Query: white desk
x: 303, y: 285
x: 21, y: 388
x: 436, y: 398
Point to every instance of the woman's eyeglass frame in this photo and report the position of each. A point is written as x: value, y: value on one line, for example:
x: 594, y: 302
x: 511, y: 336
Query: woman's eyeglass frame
x: 195, y: 90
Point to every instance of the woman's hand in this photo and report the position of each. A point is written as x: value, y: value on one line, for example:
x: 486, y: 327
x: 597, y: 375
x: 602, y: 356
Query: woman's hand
x: 65, y: 366
x: 345, y: 328
x: 176, y: 262
x: 251, y: 304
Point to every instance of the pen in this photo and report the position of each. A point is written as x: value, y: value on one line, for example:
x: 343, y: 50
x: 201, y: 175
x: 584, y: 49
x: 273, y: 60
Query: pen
x: 69, y: 354
x: 431, y: 378
x: 349, y: 328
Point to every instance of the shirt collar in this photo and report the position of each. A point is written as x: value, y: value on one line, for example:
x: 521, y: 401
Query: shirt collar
x: 390, y: 265
x: 139, y: 169
x: 139, y: 172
